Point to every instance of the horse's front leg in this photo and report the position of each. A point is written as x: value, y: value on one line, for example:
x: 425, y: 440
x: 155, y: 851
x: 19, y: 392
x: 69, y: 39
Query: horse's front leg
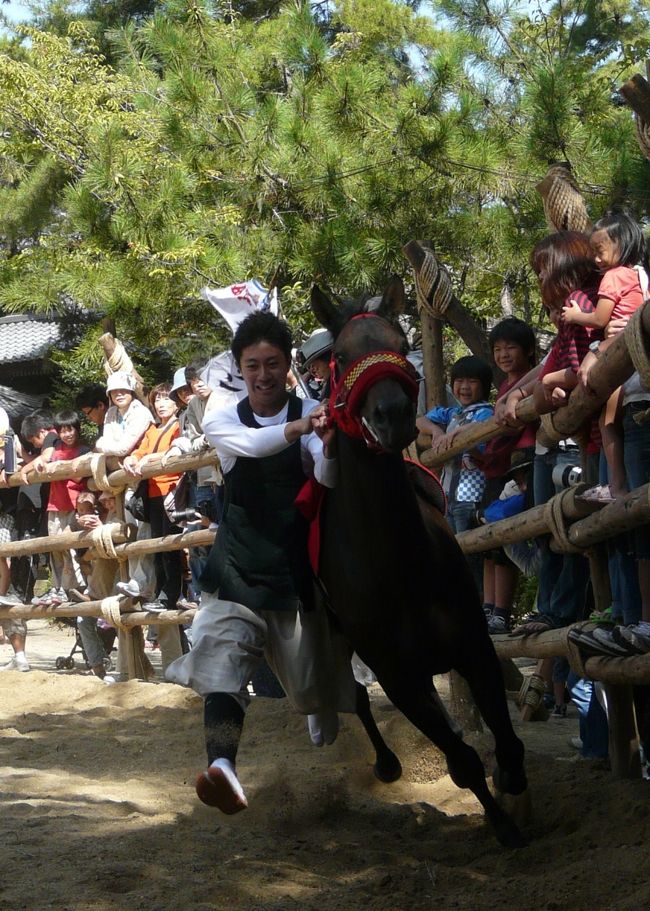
x: 387, y: 766
x: 480, y: 667
x: 414, y: 700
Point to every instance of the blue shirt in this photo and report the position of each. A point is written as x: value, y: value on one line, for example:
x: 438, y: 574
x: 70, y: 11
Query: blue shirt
x: 461, y: 479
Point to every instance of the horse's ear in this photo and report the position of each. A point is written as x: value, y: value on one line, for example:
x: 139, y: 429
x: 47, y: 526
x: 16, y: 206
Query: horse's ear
x: 327, y: 313
x: 393, y: 300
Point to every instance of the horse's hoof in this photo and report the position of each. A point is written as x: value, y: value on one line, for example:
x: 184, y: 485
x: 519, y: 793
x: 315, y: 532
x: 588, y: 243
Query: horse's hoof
x: 518, y: 806
x: 389, y: 769
x: 509, y: 836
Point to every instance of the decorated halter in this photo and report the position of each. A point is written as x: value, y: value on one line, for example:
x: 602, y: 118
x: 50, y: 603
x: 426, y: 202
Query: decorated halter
x: 347, y: 392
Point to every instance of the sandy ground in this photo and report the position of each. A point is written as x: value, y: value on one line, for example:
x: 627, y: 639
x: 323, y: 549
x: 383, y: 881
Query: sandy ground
x: 99, y: 812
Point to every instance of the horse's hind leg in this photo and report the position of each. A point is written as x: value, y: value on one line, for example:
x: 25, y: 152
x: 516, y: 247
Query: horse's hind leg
x: 387, y: 766
x: 464, y: 764
x: 481, y: 668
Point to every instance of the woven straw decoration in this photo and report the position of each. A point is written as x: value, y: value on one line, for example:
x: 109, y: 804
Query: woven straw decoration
x: 564, y: 206
x: 433, y: 286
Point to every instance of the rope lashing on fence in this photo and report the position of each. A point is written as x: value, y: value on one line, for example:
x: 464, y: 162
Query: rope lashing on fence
x: 102, y: 538
x: 564, y: 206
x: 548, y: 426
x: 554, y: 515
x: 98, y: 468
x: 643, y: 134
x: 636, y: 345
x: 111, y: 612
x: 532, y: 691
x: 433, y: 286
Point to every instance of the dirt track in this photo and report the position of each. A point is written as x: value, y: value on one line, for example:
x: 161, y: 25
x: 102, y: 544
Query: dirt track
x: 99, y: 812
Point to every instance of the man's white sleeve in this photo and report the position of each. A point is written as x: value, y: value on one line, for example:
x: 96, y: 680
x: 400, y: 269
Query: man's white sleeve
x: 231, y: 438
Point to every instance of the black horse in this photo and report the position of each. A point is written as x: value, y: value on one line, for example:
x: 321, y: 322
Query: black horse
x: 394, y: 573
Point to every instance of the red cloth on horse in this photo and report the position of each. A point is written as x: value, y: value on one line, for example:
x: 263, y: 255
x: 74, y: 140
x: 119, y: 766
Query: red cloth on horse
x: 310, y: 500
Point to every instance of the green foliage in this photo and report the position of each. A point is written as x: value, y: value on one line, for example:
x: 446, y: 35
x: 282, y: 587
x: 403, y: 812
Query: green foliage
x: 150, y: 148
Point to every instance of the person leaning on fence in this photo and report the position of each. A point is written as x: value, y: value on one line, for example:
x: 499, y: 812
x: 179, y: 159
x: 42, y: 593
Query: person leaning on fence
x: 258, y: 590
x: 126, y: 420
x: 61, y: 504
x: 168, y: 564
x: 206, y: 484
x: 37, y: 434
x: 620, y: 253
x: 93, y: 512
x: 13, y: 631
x: 513, y: 347
x: 462, y: 479
x: 566, y: 269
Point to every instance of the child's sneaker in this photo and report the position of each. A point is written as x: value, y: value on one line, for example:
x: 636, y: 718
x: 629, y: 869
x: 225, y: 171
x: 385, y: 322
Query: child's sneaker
x: 559, y: 711
x: 497, y: 625
x: 50, y: 597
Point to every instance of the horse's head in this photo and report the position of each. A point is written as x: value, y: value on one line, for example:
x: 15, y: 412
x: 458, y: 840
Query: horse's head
x: 374, y: 388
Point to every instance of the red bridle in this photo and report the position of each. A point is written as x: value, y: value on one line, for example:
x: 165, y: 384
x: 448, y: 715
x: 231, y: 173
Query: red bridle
x: 347, y: 392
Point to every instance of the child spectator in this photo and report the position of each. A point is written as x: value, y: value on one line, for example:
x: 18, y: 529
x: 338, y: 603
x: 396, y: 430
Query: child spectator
x: 620, y: 253
x: 61, y: 505
x: 566, y: 269
x: 463, y: 481
x: 513, y: 348
x: 92, y: 513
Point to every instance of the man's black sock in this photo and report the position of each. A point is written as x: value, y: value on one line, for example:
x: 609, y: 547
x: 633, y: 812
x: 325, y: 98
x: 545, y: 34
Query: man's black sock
x: 223, y: 719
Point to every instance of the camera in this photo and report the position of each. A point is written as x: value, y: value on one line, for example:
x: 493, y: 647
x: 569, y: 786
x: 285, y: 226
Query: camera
x: 185, y: 516
x: 567, y: 475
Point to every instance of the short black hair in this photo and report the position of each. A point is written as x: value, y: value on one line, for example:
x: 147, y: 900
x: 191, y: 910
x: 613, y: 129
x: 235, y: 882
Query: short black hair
x: 194, y: 370
x: 35, y: 422
x: 67, y: 418
x: 624, y: 231
x: 262, y: 327
x: 473, y: 368
x: 512, y: 329
x: 91, y: 395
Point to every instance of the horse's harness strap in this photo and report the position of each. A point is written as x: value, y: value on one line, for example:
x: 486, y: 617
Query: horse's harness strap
x: 348, y: 391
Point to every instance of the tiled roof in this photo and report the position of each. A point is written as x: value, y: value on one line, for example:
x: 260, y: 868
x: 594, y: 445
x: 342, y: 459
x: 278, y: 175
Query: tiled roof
x: 26, y: 338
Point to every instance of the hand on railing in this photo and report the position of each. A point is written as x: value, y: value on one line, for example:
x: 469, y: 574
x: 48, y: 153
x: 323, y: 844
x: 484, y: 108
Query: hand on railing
x: 443, y: 443
x: 505, y: 409
x: 132, y: 466
x: 88, y: 522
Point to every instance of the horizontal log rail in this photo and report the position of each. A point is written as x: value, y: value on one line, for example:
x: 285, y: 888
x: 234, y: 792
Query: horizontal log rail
x: 130, y: 614
x: 611, y: 370
x: 122, y: 536
x: 87, y: 465
x: 594, y: 523
x: 554, y: 643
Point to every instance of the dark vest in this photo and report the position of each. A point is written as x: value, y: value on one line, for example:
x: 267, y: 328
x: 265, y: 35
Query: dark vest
x: 259, y: 557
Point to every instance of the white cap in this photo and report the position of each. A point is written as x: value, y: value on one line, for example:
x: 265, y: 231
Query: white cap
x: 120, y: 380
x: 179, y: 380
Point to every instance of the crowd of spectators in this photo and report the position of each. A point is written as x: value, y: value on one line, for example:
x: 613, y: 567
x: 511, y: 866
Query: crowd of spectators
x: 589, y: 285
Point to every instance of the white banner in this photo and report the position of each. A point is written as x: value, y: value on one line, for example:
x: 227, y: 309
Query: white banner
x: 238, y: 301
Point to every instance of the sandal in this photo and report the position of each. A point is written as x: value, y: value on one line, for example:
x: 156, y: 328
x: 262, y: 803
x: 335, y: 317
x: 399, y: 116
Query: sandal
x: 537, y: 623
x: 602, y: 617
